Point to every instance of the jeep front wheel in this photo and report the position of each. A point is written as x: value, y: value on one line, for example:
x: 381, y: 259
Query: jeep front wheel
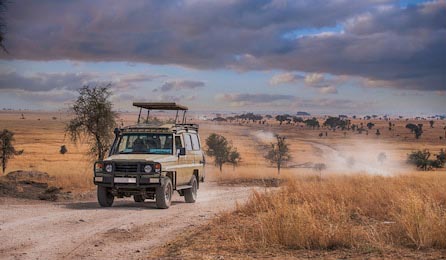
x: 105, y: 197
x: 163, y: 195
x: 190, y: 195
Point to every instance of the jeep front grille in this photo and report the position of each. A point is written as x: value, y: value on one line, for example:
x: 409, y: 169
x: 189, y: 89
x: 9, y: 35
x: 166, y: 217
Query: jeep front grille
x: 126, y: 167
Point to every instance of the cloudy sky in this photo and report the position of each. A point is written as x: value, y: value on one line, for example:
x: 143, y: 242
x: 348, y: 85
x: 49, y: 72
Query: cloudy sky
x: 329, y: 57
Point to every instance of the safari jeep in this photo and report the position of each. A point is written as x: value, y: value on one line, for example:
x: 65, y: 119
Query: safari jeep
x: 152, y: 161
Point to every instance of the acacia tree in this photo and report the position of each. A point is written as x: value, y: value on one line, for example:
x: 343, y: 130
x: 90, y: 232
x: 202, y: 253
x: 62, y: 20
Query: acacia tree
x: 279, y: 152
x: 94, y: 119
x: 7, y: 149
x: 234, y: 158
x: 218, y: 147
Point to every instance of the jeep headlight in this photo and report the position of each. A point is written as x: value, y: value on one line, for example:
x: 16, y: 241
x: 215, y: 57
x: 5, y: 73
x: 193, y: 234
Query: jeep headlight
x: 109, y: 168
x: 148, y: 168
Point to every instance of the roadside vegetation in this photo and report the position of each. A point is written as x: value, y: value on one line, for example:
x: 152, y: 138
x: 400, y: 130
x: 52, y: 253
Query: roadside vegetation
x: 344, y: 215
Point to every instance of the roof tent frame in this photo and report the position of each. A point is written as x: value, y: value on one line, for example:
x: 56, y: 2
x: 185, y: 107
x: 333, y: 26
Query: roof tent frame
x: 161, y: 106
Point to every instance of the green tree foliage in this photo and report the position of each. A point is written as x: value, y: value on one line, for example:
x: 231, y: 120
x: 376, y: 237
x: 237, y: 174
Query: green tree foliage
x: 279, y: 152
x: 431, y: 123
x: 319, y: 167
x: 412, y: 127
x: 221, y: 150
x: 335, y: 122
x: 422, y: 160
x: 417, y: 130
x: 234, y: 158
x: 63, y: 149
x: 297, y: 119
x: 94, y: 120
x: 313, y: 123
x: 370, y: 125
x: 249, y: 117
x: 282, y: 118
x: 7, y: 148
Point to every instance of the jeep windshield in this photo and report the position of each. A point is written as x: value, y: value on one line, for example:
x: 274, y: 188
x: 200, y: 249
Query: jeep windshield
x: 144, y: 143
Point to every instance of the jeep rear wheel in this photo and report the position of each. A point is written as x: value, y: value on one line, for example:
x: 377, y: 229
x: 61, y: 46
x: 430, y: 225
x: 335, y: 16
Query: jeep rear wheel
x: 138, y: 198
x: 163, y: 195
x: 105, y: 197
x: 190, y: 195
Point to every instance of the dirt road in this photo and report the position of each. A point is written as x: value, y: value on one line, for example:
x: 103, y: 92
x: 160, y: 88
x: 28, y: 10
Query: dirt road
x: 128, y: 230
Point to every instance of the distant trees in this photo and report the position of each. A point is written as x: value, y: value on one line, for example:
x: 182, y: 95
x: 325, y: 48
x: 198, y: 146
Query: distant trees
x: 422, y: 160
x: 416, y: 129
x: 234, y: 158
x: 336, y: 122
x: 219, y: 119
x: 370, y: 125
x: 431, y: 123
x: 281, y: 118
x: 63, y: 149
x: 249, y: 116
x: 93, y: 119
x: 313, y: 123
x: 319, y: 167
x: 221, y: 150
x: 279, y: 152
x: 7, y: 150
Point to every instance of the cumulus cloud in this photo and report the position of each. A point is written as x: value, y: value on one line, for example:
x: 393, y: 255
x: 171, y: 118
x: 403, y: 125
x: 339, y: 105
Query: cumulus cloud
x: 70, y: 81
x: 404, y: 48
x: 246, y: 99
x: 177, y: 85
x: 314, y: 78
x: 285, y: 78
x: 317, y: 81
x: 292, y: 102
x: 328, y: 90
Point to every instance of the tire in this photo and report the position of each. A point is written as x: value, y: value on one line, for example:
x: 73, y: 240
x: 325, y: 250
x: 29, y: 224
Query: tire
x: 163, y: 195
x: 105, y: 198
x: 138, y: 198
x: 190, y: 195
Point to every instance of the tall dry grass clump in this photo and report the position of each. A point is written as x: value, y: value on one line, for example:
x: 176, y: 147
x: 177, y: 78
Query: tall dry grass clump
x: 350, y: 212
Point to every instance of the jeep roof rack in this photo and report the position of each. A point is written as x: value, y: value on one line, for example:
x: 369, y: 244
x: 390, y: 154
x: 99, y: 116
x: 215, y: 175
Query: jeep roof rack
x: 161, y: 106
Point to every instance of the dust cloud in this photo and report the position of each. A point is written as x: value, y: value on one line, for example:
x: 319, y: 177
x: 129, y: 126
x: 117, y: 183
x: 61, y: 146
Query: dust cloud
x: 352, y: 157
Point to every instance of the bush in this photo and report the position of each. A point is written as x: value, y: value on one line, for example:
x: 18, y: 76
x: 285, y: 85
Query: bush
x: 422, y: 160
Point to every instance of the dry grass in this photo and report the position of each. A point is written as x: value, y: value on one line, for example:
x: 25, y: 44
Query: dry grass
x: 356, y: 214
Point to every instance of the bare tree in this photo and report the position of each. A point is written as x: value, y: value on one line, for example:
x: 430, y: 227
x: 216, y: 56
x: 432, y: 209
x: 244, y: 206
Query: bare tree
x: 93, y: 119
x: 319, y: 167
x: 7, y: 149
x: 279, y: 152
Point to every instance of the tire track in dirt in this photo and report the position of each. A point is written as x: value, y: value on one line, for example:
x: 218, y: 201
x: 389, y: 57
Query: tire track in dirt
x: 81, y: 230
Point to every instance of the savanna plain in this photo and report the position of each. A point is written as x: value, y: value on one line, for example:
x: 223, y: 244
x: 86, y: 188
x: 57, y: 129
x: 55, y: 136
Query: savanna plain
x: 366, y: 202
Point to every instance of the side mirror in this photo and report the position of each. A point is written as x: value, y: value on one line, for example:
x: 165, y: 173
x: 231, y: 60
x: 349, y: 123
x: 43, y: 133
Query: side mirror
x: 181, y: 151
x: 116, y: 131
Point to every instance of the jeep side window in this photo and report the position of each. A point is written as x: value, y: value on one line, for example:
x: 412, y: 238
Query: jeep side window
x: 195, y: 142
x: 178, y: 144
x: 187, y: 142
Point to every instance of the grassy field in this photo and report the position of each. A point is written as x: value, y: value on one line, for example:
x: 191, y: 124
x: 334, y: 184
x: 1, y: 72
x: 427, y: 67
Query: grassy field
x: 337, y: 217
x: 362, y: 209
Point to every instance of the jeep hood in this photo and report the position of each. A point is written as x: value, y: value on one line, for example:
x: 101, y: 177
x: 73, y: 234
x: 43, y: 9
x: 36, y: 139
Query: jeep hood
x: 143, y: 157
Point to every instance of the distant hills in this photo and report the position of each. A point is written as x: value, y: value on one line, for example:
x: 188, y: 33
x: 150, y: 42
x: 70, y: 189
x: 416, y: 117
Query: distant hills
x: 301, y: 113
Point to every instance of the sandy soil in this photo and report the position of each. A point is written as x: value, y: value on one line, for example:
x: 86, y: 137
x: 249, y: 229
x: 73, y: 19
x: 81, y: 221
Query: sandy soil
x: 80, y: 230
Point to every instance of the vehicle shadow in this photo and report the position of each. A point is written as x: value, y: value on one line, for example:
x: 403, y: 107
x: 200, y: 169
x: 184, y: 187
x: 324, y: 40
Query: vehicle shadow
x: 117, y: 205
